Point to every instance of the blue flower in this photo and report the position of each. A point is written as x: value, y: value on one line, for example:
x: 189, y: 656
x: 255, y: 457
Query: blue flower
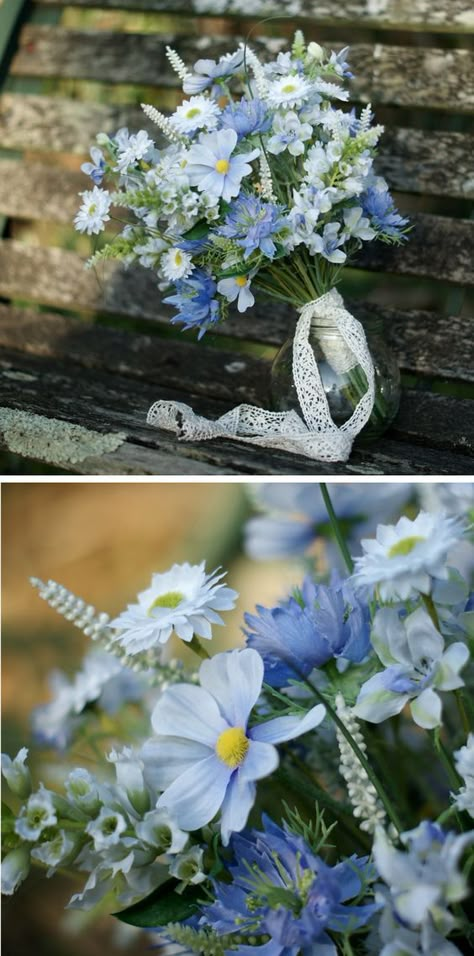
x: 246, y: 117
x: 96, y: 168
x: 378, y: 204
x: 206, y: 71
x: 282, y: 890
x: 252, y: 222
x: 206, y: 758
x: 293, y: 639
x: 195, y: 301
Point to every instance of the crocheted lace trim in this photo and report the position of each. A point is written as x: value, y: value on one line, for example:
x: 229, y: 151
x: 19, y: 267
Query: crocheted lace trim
x: 315, y: 435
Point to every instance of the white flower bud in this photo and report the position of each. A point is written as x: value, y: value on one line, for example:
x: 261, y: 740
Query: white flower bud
x: 15, y: 869
x: 315, y: 52
x: 16, y: 774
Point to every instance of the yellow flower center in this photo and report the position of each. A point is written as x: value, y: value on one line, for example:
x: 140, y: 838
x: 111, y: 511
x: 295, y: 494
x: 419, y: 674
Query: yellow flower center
x: 170, y: 599
x: 232, y: 746
x: 241, y: 280
x: 178, y: 258
x: 288, y: 88
x: 405, y: 546
x: 222, y: 166
x: 194, y: 111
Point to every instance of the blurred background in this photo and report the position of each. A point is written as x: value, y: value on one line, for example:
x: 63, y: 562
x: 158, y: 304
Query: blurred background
x: 102, y: 541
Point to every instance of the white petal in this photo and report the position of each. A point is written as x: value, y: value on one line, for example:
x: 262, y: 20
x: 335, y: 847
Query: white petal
x: 426, y: 709
x: 166, y: 758
x: 424, y: 640
x: 261, y: 760
x: 389, y: 638
x: 286, y: 728
x: 237, y: 805
x: 235, y: 679
x: 454, y: 658
x: 375, y: 703
x: 414, y: 904
x: 195, y: 797
x: 188, y: 711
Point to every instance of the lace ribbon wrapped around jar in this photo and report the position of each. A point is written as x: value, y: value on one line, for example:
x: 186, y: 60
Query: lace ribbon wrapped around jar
x: 314, y: 434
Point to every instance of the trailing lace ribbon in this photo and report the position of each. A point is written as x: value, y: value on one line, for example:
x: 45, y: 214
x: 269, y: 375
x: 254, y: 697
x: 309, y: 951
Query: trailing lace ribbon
x: 315, y: 435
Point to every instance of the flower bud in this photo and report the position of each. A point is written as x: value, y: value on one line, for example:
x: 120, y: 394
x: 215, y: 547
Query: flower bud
x: 15, y: 869
x: 18, y: 776
x: 315, y: 51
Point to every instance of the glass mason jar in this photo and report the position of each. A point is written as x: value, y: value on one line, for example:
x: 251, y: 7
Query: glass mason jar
x: 343, y: 388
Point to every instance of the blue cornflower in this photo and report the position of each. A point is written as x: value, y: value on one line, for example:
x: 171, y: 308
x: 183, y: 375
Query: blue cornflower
x: 282, y: 890
x: 252, y: 222
x: 378, y: 204
x: 246, y: 117
x: 195, y: 301
x: 293, y: 638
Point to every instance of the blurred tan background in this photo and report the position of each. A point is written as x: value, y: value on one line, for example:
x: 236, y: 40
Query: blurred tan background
x: 102, y: 541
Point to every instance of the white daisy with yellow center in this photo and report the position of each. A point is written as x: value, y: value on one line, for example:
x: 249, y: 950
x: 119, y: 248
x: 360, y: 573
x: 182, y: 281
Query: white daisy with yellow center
x: 403, y: 559
x: 206, y: 758
x: 176, y: 264
x: 184, y: 599
x: 289, y: 91
x: 199, y: 112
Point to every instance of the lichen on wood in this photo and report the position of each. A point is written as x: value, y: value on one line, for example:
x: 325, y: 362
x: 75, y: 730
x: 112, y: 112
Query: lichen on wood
x: 51, y: 440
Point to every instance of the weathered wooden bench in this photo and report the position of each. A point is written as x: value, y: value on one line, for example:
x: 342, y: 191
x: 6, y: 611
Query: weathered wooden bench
x: 94, y: 350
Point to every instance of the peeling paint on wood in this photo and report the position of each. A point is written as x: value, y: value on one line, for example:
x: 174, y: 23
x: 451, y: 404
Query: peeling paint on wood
x: 51, y: 440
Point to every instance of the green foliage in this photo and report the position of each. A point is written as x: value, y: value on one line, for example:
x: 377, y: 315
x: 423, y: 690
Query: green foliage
x: 315, y: 832
x: 204, y: 942
x: 162, y: 906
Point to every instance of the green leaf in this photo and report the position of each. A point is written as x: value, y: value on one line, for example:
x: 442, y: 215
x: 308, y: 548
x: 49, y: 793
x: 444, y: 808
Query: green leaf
x: 162, y: 906
x: 198, y: 231
x: 8, y: 819
x: 237, y: 270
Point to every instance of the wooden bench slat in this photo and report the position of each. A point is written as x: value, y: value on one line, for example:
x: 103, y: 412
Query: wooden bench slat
x: 433, y: 15
x: 425, y: 343
x: 115, y: 403
x: 403, y: 76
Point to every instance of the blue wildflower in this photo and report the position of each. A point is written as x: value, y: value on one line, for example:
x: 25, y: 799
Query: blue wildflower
x: 194, y: 299
x: 246, y: 117
x: 207, y: 71
x: 96, y: 168
x: 294, y: 638
x: 378, y: 204
x: 282, y: 890
x: 252, y: 222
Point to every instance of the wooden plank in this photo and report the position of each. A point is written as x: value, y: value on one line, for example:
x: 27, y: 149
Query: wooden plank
x: 114, y: 403
x: 425, y: 344
x: 218, y: 375
x: 39, y: 191
x: 433, y: 15
x: 403, y: 76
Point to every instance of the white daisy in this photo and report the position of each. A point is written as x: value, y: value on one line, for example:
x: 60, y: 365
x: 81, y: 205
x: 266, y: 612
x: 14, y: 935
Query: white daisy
x: 288, y: 91
x: 199, y: 112
x: 94, y: 212
x: 184, y: 599
x: 403, y: 558
x: 176, y: 264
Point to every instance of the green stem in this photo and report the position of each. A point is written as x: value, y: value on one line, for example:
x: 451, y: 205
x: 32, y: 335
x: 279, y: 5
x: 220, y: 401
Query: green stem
x: 336, y: 527
x: 196, y: 646
x: 445, y: 758
x: 431, y: 608
x: 462, y: 711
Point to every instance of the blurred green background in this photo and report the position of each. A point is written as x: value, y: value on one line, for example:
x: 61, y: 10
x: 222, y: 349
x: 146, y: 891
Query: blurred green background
x: 101, y: 540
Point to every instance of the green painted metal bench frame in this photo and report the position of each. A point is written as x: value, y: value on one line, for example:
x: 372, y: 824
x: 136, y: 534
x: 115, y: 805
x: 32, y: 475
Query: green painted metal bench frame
x: 75, y: 392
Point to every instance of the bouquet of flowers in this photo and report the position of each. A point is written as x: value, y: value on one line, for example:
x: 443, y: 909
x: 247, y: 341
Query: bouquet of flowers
x: 264, y: 183
x: 309, y: 794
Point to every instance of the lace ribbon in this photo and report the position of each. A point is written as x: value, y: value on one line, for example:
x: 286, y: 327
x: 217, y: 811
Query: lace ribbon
x: 315, y: 435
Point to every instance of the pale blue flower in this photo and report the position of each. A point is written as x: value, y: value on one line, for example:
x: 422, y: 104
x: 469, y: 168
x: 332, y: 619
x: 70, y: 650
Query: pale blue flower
x: 328, y: 244
x: 424, y: 879
x: 417, y: 667
x: 195, y: 300
x: 206, y: 758
x: 212, y: 168
x: 96, y: 168
x: 207, y: 72
x: 289, y: 133
x: 356, y: 226
x: 254, y: 224
x: 464, y: 760
x: 238, y: 287
x: 379, y: 206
